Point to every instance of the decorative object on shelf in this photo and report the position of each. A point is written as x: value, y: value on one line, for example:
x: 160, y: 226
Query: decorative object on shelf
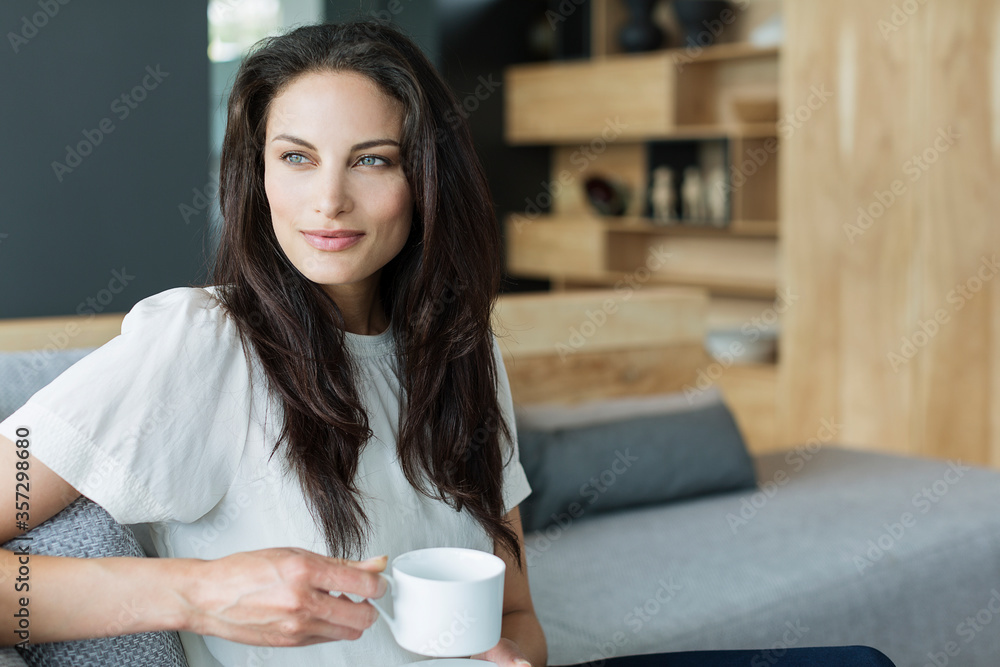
x: 699, y: 18
x: 769, y: 33
x: 661, y: 196
x: 716, y: 199
x: 693, y: 196
x: 640, y: 33
x: 734, y: 345
x: 608, y: 197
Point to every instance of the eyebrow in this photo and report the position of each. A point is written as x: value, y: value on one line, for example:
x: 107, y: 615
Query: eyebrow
x: 371, y: 143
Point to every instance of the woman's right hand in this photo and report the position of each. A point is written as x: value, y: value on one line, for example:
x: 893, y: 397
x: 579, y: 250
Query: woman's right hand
x: 281, y: 597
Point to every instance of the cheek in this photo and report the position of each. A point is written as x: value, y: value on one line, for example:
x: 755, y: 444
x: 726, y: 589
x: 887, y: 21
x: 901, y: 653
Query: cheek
x: 280, y: 196
x: 396, y: 206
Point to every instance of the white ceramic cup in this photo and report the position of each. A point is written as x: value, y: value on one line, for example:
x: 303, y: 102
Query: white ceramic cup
x: 446, y: 601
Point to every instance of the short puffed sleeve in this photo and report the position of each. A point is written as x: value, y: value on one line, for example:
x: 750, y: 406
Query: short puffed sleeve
x: 515, y: 482
x: 152, y: 425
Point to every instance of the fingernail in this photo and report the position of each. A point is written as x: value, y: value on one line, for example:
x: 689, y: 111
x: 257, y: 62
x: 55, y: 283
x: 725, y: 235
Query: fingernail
x: 375, y: 559
x: 522, y: 661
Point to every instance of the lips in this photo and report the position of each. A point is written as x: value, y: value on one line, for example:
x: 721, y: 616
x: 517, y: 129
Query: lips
x: 332, y: 233
x: 332, y: 240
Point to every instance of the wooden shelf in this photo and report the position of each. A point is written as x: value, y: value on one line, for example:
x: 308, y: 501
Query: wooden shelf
x: 593, y: 250
x: 637, y: 225
x: 655, y: 95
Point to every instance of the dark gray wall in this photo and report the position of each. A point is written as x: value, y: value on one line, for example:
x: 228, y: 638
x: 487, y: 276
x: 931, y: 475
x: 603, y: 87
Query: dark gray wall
x: 110, y: 229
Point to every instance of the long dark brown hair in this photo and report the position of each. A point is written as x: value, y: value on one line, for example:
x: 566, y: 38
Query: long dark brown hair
x: 438, y: 292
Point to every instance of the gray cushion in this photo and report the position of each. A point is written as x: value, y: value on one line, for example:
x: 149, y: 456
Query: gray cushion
x: 85, y: 530
x: 688, y: 576
x: 11, y: 658
x: 630, y: 462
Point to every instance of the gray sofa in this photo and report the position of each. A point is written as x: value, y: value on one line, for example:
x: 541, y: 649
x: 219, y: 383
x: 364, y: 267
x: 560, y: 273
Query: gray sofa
x: 836, y: 547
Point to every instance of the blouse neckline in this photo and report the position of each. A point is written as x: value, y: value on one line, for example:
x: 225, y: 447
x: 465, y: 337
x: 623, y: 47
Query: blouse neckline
x: 360, y: 345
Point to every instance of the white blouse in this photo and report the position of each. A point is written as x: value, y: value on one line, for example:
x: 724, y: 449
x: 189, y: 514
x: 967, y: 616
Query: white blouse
x: 160, y: 426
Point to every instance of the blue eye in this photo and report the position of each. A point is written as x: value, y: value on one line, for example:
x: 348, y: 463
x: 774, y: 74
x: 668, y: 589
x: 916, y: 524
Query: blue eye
x: 288, y: 157
x: 371, y: 161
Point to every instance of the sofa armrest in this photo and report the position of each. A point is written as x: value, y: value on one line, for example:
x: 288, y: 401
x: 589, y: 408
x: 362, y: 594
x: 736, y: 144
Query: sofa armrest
x: 84, y: 529
x: 11, y: 658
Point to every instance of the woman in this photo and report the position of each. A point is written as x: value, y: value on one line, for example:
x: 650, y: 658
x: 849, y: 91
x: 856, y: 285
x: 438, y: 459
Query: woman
x: 336, y: 389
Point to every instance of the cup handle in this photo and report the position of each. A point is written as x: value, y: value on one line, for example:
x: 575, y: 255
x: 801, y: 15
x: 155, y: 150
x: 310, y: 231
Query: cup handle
x: 390, y: 584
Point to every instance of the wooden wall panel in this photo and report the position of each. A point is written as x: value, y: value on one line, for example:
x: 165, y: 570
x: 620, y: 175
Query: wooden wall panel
x: 875, y: 89
x: 881, y: 337
x: 809, y: 204
x: 959, y: 229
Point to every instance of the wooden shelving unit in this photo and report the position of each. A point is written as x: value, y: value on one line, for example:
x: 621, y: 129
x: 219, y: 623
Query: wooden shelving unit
x: 599, y: 117
x: 616, y: 116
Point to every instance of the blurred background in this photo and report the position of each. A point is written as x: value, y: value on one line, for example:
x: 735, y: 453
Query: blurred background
x: 825, y: 171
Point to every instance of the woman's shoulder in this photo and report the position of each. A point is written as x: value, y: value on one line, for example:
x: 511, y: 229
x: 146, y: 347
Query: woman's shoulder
x: 183, y: 311
x: 202, y: 303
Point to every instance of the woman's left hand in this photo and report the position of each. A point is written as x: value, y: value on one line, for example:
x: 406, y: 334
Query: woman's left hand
x: 505, y: 654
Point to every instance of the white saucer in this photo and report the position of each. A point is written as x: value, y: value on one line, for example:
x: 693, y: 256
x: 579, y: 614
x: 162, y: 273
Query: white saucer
x: 451, y: 662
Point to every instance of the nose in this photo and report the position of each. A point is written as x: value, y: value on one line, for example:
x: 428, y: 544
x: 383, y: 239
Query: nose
x: 333, y: 198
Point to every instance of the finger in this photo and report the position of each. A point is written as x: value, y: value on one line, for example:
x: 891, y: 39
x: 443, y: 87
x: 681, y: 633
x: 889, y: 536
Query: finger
x: 343, y: 612
x: 325, y: 617
x: 316, y: 633
x: 342, y: 578
x: 376, y: 564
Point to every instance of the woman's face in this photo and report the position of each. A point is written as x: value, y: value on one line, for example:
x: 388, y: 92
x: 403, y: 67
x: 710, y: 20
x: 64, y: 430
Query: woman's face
x: 340, y: 203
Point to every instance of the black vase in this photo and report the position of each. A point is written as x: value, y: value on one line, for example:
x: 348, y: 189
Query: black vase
x: 699, y: 20
x: 640, y: 33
